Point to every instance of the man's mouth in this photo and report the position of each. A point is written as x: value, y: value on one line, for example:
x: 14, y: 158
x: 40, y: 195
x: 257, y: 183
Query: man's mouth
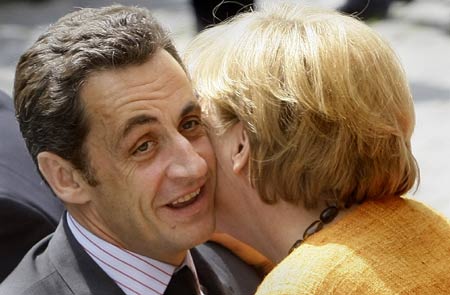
x: 185, y: 200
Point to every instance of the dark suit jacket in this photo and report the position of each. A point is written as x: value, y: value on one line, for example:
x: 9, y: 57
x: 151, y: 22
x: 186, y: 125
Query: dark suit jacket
x: 59, y: 265
x: 28, y: 209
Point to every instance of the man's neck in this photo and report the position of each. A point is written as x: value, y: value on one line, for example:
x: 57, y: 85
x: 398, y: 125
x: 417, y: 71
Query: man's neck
x: 92, y: 222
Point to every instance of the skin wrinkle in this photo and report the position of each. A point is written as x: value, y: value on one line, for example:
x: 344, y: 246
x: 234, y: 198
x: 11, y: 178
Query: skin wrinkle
x: 101, y: 228
x: 135, y: 122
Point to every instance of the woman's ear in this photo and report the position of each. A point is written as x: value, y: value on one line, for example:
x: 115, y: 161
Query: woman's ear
x: 66, y: 181
x: 241, y: 149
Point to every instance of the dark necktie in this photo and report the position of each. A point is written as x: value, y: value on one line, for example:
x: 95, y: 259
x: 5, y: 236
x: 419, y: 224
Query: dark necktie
x: 182, y: 283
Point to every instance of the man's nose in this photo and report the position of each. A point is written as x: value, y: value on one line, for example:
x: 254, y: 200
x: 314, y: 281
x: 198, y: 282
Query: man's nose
x: 187, y: 162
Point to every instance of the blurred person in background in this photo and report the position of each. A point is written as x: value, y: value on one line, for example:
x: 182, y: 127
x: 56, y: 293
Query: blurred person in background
x: 311, y: 119
x: 367, y: 9
x: 29, y: 210
x: 211, y: 12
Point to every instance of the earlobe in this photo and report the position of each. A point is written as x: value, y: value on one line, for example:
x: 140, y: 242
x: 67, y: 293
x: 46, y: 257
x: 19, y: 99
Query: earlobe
x: 242, y: 152
x: 62, y: 177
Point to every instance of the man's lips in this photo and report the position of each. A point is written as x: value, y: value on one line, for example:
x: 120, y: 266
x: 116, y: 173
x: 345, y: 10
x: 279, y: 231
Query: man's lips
x: 185, y: 201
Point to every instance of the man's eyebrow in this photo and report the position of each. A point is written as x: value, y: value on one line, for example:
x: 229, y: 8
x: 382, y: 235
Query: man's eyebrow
x: 146, y: 119
x: 190, y: 107
x: 136, y: 121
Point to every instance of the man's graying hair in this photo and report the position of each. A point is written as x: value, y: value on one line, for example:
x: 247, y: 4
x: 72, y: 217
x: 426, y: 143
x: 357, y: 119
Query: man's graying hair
x: 50, y: 74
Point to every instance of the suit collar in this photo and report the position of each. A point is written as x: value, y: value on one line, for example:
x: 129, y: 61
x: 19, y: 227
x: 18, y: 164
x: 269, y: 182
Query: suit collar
x: 77, y: 269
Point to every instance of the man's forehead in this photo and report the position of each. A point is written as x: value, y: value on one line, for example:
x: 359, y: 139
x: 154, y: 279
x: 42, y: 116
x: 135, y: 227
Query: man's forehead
x: 159, y: 75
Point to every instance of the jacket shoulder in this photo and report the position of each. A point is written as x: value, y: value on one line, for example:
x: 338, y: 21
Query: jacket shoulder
x: 35, y: 275
x: 52, y: 281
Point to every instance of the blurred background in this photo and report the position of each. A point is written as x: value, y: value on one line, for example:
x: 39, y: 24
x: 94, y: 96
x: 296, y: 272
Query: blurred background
x: 418, y: 30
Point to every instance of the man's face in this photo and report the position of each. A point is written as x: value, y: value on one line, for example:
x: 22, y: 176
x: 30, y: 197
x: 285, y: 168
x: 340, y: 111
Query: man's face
x: 152, y: 159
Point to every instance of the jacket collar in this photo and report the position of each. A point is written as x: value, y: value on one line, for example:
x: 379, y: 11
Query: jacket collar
x: 77, y: 269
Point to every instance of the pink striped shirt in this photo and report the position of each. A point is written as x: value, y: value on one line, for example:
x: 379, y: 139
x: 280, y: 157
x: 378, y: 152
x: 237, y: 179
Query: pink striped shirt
x: 133, y: 273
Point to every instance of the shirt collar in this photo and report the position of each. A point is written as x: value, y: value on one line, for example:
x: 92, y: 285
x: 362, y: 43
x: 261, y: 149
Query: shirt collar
x: 133, y: 273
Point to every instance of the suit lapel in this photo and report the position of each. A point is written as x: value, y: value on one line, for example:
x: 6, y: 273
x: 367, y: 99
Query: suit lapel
x: 222, y: 272
x: 79, y: 271
x: 209, y: 278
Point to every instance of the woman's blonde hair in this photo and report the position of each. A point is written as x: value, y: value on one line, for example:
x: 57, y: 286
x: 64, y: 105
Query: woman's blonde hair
x: 322, y: 97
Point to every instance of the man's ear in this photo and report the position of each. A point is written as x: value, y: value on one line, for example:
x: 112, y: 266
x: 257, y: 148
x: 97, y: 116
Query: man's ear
x: 241, y: 149
x: 66, y: 181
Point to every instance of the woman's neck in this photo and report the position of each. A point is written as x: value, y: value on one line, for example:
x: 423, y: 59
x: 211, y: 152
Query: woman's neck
x: 283, y: 223
x: 270, y: 229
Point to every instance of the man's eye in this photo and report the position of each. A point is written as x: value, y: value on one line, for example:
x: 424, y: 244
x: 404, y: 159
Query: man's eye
x: 188, y: 125
x: 143, y: 148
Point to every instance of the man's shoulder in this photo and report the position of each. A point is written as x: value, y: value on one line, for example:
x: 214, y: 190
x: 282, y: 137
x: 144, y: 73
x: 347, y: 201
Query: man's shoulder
x: 58, y: 265
x: 35, y: 274
x: 52, y: 281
